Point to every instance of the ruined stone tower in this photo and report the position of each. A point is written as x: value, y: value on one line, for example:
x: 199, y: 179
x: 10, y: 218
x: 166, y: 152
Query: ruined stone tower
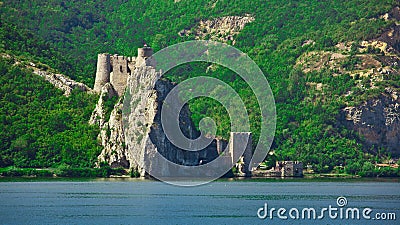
x: 143, y: 54
x: 115, y: 69
x: 238, y: 141
x: 145, y: 135
x: 103, y: 71
x: 289, y: 168
x: 119, y: 73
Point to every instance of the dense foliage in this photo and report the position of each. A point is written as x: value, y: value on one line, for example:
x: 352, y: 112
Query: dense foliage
x: 40, y: 127
x: 68, y: 35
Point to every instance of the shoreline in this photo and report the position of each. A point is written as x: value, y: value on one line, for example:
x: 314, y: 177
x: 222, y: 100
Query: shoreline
x: 233, y: 179
x: 55, y: 174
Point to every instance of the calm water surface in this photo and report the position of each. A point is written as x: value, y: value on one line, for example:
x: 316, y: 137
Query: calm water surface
x: 107, y: 201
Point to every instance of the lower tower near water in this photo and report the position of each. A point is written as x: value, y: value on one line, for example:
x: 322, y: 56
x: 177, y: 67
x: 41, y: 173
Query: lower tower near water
x: 239, y: 141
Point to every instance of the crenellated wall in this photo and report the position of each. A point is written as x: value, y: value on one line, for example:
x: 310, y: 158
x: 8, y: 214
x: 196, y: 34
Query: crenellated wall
x: 115, y: 69
x: 134, y: 145
x: 120, y: 72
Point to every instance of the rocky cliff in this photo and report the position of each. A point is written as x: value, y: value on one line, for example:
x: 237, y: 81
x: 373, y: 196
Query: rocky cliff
x: 378, y: 121
x: 219, y: 29
x: 129, y: 142
x: 59, y: 81
x: 377, y: 118
x: 111, y: 131
x: 145, y: 133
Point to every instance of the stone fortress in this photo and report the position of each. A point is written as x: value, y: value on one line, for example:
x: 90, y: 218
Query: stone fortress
x: 115, y: 69
x: 116, y: 74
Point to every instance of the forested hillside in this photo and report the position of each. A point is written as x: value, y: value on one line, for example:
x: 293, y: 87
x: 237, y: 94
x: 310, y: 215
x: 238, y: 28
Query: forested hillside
x: 42, y: 128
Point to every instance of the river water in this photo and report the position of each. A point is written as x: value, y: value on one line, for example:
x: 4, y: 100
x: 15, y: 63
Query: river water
x: 135, y: 201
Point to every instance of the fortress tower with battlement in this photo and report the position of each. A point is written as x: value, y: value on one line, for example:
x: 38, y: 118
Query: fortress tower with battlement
x: 115, y: 69
x: 113, y: 72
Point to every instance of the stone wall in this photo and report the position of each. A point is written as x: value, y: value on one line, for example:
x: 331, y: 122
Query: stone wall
x: 131, y: 141
x: 239, y: 141
x: 290, y: 168
x: 115, y: 69
x: 120, y: 73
